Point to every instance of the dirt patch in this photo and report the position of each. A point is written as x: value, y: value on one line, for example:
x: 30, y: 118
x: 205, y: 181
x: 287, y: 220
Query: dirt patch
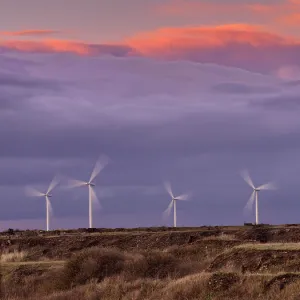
x: 220, y: 282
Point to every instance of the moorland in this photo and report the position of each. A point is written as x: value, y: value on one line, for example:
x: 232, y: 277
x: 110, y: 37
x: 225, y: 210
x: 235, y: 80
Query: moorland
x: 209, y: 263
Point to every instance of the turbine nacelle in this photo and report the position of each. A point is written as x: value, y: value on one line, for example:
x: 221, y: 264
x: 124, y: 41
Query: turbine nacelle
x: 100, y: 164
x: 254, y: 195
x: 35, y: 193
x: 173, y: 201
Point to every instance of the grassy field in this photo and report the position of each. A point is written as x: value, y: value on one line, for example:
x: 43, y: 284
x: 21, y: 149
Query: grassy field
x: 271, y: 246
x: 209, y: 263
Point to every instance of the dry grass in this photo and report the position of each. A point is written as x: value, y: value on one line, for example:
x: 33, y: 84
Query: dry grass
x: 219, y: 286
x: 206, y: 286
x: 189, y: 287
x: 173, y: 273
x: 99, y: 263
x: 157, y: 265
x: 270, y: 246
x: 14, y: 256
x: 221, y: 237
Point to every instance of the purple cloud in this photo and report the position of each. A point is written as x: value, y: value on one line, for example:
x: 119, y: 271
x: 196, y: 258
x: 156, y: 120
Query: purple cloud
x: 157, y: 120
x: 245, y: 46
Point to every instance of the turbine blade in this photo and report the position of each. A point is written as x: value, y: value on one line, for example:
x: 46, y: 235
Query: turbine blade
x: 168, y: 188
x: 267, y: 186
x: 248, y: 206
x: 95, y: 199
x: 53, y: 184
x: 99, y: 166
x: 183, y: 197
x: 73, y: 183
x: 50, y: 206
x: 247, y: 178
x: 31, y: 192
x: 168, y: 210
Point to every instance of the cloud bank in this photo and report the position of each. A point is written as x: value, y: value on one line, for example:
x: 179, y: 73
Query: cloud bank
x: 195, y: 124
x: 244, y: 46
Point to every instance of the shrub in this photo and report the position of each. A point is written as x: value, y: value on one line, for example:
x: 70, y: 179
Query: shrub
x: 219, y: 282
x: 92, y: 264
x: 155, y: 264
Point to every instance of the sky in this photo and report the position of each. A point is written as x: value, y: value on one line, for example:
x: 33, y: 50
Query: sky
x: 186, y: 91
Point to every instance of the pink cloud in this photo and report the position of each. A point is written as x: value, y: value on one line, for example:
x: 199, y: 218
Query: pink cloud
x: 30, y: 32
x: 64, y: 46
x: 182, y: 7
x: 192, y: 7
x: 294, y: 1
x: 284, y: 13
x: 236, y: 41
x: 168, y: 39
x: 47, y: 46
x: 290, y: 19
x: 240, y: 45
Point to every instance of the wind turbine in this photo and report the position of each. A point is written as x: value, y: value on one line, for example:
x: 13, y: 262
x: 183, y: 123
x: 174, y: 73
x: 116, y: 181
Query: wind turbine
x: 254, y: 195
x: 173, y: 202
x: 100, y: 164
x: 31, y: 192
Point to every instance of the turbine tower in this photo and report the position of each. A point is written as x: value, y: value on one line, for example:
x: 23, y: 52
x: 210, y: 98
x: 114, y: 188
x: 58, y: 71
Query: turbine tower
x: 100, y: 164
x: 31, y: 192
x: 173, y: 202
x: 254, y: 195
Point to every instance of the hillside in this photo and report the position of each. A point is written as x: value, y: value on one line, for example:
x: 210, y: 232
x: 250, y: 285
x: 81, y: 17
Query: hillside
x: 247, y: 262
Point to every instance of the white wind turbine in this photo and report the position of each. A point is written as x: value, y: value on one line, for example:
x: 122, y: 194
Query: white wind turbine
x: 173, y: 202
x: 31, y: 192
x: 100, y: 164
x: 254, y: 195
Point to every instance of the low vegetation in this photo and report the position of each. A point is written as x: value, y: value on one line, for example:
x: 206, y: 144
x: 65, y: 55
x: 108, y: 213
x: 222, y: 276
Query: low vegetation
x: 271, y: 246
x: 211, y: 264
x: 14, y: 256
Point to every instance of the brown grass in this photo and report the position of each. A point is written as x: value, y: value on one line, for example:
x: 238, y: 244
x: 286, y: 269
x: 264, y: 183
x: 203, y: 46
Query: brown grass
x: 157, y: 265
x: 175, y: 272
x: 216, y: 286
x: 221, y: 237
x: 270, y: 246
x: 14, y: 256
x: 92, y: 264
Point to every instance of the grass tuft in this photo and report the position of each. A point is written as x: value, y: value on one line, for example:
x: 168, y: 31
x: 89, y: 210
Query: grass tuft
x: 14, y: 256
